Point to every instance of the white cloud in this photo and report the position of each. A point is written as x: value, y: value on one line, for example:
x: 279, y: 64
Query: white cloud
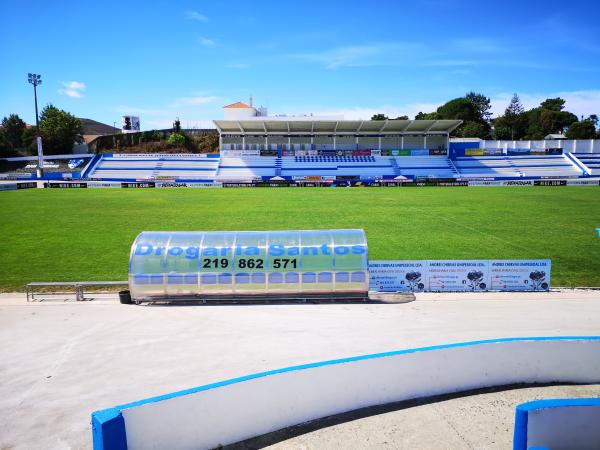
x: 206, y: 42
x: 195, y: 15
x: 72, y: 89
x: 77, y: 85
x: 351, y: 56
x: 70, y: 93
x: 237, y: 66
x: 135, y: 110
x: 365, y: 113
x: 584, y: 102
x: 195, y: 100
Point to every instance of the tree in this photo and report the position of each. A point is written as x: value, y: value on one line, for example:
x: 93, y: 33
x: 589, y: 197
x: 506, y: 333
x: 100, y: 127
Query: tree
x: 594, y: 119
x: 514, y: 118
x: 379, y: 117
x: 59, y: 130
x: 426, y: 116
x: 177, y: 126
x: 473, y: 129
x: 458, y: 108
x: 482, y: 105
x: 582, y: 130
x: 12, y: 129
x: 553, y: 104
x: 401, y: 118
x: 176, y: 139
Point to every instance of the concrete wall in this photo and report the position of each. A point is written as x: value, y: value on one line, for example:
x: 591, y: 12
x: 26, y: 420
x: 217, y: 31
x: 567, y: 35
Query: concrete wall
x: 572, y: 423
x: 237, y: 409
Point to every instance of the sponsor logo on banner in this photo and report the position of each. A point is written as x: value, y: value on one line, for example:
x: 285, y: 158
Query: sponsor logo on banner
x: 250, y: 152
x: 188, y: 185
x: 8, y: 187
x: 398, y: 276
x: 473, y: 152
x: 460, y: 276
x: 31, y: 185
x: 531, y: 275
x: 103, y: 184
x: 313, y: 178
x: 455, y: 276
x: 361, y: 152
x: 485, y: 183
x: 517, y: 183
x: 148, y: 184
x: 550, y: 182
x: 419, y: 152
x: 66, y: 185
x: 160, y: 155
x: 584, y: 182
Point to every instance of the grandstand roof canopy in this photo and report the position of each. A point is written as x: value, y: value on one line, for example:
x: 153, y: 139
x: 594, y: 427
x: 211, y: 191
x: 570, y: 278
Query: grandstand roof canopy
x: 304, y: 125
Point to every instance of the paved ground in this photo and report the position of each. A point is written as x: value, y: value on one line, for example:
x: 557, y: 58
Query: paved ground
x: 59, y: 361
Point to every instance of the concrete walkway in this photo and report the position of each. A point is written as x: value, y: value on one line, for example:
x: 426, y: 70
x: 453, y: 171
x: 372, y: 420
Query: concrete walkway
x: 59, y: 361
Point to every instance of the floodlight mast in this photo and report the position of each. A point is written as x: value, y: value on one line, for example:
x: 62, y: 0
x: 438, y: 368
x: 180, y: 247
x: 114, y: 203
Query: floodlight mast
x: 36, y: 80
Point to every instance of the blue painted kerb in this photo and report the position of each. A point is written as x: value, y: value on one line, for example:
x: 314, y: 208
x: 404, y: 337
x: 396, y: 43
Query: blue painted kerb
x: 522, y: 415
x: 108, y: 425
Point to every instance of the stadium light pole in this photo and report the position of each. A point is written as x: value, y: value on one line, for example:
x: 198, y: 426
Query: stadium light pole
x: 36, y: 80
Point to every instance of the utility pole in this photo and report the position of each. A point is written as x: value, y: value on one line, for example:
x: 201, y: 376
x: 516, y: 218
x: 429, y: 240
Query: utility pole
x: 36, y: 80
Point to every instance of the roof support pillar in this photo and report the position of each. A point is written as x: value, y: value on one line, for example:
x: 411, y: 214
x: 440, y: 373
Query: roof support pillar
x: 243, y: 142
x: 402, y: 142
x: 334, y: 141
x: 425, y: 141
x: 379, y: 138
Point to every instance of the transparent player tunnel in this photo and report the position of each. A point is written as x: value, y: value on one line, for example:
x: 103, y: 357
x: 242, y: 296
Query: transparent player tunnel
x: 237, y: 264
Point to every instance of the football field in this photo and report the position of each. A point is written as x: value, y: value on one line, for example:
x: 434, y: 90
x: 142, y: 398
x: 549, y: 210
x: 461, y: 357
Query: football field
x: 86, y: 234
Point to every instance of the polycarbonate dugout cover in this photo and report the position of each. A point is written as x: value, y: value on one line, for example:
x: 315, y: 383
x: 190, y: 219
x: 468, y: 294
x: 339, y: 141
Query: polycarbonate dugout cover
x: 167, y: 264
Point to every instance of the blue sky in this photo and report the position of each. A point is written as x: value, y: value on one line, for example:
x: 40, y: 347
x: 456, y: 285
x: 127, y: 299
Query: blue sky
x: 186, y: 59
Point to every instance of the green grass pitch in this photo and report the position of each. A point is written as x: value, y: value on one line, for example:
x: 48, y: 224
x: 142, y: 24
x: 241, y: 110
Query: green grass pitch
x: 86, y: 234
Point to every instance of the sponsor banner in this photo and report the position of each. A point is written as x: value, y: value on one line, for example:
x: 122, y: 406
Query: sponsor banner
x: 361, y: 152
x: 518, y: 151
x: 517, y: 183
x: 531, y: 275
x: 30, y: 185
x: 554, y: 151
x: 459, y: 276
x: 103, y: 184
x: 492, y: 151
x: 452, y: 276
x: 239, y: 185
x: 437, y: 151
x: 8, y: 187
x: 231, y: 153
x: 419, y: 152
x: 250, y: 152
x: 403, y: 152
x: 584, y: 182
x: 484, y: 183
x: 398, y: 276
x: 549, y: 182
x: 162, y: 155
x: 375, y: 152
x: 473, y: 152
x: 300, y: 153
x: 327, y: 152
x: 138, y: 184
x: 66, y: 185
x: 312, y: 152
x: 313, y: 178
x: 189, y: 185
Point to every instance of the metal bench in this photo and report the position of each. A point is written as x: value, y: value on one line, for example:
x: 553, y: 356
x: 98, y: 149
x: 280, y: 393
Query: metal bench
x: 77, y: 286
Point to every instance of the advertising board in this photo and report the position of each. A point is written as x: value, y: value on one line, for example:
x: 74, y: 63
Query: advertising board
x: 459, y: 275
